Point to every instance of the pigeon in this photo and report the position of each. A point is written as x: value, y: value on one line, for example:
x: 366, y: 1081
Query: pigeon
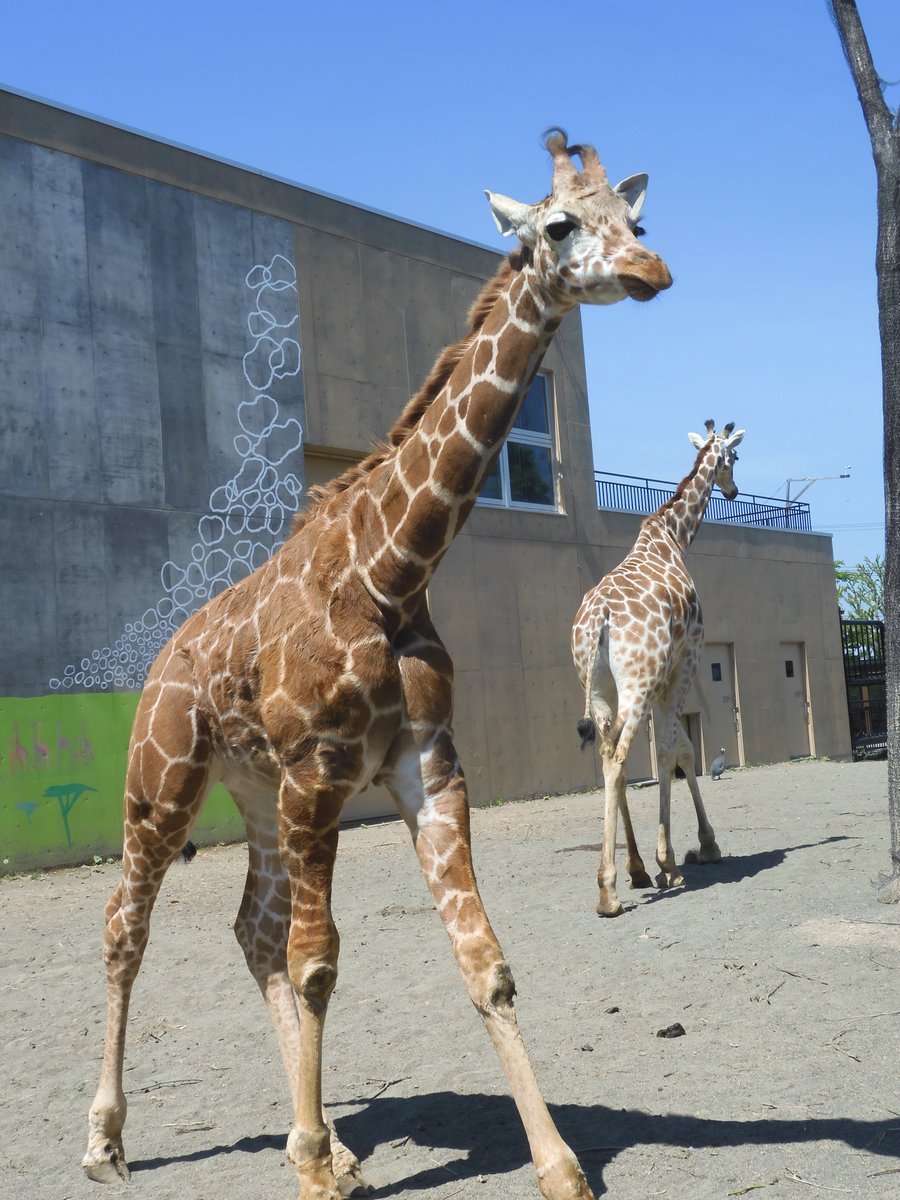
x: 718, y: 764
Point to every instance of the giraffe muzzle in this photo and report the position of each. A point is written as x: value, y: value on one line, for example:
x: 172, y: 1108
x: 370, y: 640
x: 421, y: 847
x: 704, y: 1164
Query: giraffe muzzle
x: 645, y: 277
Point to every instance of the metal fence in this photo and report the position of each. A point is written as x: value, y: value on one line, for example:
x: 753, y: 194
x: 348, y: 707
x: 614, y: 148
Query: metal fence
x: 864, y: 674
x: 630, y: 493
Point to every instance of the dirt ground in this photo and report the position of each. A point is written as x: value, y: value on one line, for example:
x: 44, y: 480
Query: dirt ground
x: 779, y: 962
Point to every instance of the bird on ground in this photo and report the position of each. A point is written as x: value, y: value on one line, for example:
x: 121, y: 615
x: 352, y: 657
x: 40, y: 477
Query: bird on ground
x: 718, y: 764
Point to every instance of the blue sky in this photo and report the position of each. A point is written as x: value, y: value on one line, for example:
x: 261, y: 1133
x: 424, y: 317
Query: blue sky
x: 761, y: 200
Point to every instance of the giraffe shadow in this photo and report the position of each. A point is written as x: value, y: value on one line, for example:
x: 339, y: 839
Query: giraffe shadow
x: 244, y: 1145
x: 477, y: 1134
x: 733, y: 868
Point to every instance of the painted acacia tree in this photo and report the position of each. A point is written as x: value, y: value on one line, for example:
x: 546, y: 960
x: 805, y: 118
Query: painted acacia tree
x: 884, y: 133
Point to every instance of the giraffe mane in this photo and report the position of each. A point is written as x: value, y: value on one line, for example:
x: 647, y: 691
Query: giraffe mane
x: 415, y: 409
x: 679, y: 491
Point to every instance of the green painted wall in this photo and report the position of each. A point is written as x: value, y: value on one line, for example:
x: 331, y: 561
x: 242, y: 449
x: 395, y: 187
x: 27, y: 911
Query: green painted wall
x: 62, y: 774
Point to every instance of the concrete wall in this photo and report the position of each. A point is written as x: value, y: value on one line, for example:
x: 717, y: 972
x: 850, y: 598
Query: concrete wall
x: 124, y: 306
x: 152, y: 415
x: 151, y: 451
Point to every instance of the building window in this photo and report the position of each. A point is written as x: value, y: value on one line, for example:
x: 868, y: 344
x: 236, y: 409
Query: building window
x: 717, y: 672
x: 524, y: 475
x: 789, y: 668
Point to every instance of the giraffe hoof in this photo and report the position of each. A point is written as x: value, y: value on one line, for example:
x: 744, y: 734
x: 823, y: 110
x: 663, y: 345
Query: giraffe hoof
x: 669, y: 879
x: 609, y: 908
x: 704, y: 855
x: 564, y: 1180
x: 350, y: 1179
x: 640, y: 879
x: 345, y: 1165
x: 353, y: 1185
x: 107, y: 1164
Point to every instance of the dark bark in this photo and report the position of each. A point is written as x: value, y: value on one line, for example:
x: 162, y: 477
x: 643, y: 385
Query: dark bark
x: 884, y: 134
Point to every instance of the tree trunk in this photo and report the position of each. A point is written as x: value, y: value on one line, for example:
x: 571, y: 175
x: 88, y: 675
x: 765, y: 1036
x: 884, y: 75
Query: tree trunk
x: 885, y: 137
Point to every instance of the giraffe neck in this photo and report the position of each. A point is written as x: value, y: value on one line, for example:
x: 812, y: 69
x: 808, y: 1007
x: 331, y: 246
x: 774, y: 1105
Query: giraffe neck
x: 684, y: 512
x: 424, y: 490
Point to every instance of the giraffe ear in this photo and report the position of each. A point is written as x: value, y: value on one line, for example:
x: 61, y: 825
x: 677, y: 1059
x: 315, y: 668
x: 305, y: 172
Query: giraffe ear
x: 633, y: 191
x: 735, y: 438
x: 697, y: 441
x: 512, y: 217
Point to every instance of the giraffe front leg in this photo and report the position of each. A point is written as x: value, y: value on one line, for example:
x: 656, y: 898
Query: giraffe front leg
x: 431, y: 795
x: 669, y: 874
x: 309, y: 815
x: 278, y: 993
x: 262, y: 928
x: 348, y: 1172
x: 708, y: 850
x: 634, y: 864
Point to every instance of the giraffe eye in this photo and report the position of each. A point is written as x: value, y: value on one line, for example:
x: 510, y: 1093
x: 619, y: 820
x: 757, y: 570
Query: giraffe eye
x: 560, y: 228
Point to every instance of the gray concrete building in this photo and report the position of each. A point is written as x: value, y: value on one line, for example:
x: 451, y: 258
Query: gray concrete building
x: 185, y: 346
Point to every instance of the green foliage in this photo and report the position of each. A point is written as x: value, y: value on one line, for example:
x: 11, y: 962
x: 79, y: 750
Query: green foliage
x: 861, y: 589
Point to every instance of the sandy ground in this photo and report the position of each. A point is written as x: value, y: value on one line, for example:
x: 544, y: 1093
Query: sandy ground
x: 779, y: 962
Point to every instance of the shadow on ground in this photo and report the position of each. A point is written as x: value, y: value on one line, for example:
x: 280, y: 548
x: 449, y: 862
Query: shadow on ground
x: 731, y: 869
x: 486, y: 1134
x: 735, y: 867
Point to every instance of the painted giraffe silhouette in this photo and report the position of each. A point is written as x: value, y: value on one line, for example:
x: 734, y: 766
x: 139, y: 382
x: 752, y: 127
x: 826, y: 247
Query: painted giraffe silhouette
x: 321, y: 673
x: 636, y: 642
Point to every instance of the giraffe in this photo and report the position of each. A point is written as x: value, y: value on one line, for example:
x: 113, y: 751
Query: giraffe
x: 39, y: 746
x: 321, y: 672
x: 19, y: 755
x: 636, y: 643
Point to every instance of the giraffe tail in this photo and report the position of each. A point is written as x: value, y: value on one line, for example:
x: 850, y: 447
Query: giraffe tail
x: 587, y: 728
x: 188, y: 852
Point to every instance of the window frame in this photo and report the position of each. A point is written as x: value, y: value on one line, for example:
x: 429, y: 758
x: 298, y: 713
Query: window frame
x: 527, y: 437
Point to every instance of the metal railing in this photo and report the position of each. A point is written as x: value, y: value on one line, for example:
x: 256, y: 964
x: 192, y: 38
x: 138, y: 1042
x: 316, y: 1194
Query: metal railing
x: 630, y: 493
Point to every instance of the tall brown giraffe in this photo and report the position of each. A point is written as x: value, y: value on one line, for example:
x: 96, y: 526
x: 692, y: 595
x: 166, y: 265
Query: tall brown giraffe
x: 636, y: 642
x: 321, y: 673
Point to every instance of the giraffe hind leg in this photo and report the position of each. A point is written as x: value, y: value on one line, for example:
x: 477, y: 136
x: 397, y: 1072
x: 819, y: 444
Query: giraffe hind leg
x: 167, y: 780
x: 614, y: 781
x: 615, y: 745
x: 428, y: 786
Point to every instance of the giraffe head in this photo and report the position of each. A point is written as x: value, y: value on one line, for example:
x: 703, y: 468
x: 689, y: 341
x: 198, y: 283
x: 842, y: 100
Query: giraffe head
x: 583, y: 238
x: 720, y: 448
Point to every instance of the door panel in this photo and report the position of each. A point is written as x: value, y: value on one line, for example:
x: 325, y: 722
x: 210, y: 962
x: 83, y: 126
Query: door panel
x: 796, y: 699
x: 721, y: 715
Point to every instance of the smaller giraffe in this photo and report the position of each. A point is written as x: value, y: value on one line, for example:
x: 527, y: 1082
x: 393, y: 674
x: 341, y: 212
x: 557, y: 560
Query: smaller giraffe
x: 636, y: 642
